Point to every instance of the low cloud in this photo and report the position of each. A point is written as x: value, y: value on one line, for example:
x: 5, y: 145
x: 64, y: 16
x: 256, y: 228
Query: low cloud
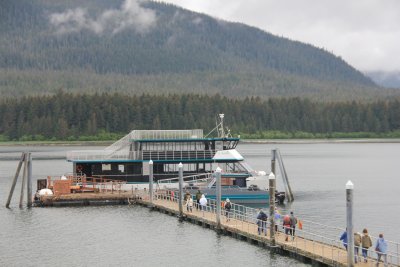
x: 131, y: 15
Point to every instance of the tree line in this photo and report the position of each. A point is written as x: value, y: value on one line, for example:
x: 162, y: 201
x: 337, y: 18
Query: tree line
x: 67, y: 116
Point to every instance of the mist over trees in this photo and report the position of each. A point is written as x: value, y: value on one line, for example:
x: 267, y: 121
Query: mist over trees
x: 47, y: 45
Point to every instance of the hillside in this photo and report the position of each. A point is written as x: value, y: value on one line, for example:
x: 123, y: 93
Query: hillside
x: 99, y: 45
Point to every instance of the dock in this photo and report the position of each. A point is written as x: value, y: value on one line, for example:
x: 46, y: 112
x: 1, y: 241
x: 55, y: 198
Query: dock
x: 308, y: 246
x: 314, y: 243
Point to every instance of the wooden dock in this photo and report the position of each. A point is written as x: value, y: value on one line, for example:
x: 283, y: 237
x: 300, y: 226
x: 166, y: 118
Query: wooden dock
x: 305, y: 247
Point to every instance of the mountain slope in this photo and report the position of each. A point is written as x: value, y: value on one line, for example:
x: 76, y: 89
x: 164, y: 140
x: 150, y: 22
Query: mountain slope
x: 126, y: 43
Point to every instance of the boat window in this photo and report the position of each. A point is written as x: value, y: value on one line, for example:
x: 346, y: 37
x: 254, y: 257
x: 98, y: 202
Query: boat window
x: 106, y: 167
x: 121, y: 168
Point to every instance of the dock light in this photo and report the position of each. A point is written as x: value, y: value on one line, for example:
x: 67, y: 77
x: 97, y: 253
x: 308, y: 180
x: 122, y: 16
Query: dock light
x: 349, y: 185
x: 218, y: 169
x: 151, y: 162
x: 180, y: 165
x: 271, y: 176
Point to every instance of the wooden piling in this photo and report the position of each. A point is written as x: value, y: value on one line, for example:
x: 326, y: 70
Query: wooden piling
x: 21, y: 197
x: 15, y: 180
x: 29, y: 182
x: 288, y: 188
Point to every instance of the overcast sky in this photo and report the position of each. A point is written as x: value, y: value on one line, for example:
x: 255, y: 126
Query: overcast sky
x: 365, y: 33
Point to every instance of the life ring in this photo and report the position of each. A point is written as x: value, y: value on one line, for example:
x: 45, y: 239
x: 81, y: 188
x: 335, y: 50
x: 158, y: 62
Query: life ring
x: 79, y: 168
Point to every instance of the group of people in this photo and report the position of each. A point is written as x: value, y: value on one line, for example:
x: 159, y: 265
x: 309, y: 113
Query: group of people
x: 365, y: 242
x: 201, y: 203
x: 289, y: 223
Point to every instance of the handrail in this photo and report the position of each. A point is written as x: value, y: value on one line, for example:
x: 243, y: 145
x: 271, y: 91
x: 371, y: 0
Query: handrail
x: 245, y: 218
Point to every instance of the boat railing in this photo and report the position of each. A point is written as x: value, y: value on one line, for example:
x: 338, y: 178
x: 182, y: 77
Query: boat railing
x: 80, y: 183
x: 190, y: 179
x: 177, y: 155
x: 165, y: 134
x: 95, y: 155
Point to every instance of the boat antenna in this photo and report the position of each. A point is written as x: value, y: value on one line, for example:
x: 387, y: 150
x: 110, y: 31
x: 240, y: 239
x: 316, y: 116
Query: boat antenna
x: 219, y: 127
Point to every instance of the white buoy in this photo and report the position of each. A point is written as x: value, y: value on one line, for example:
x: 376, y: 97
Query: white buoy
x: 45, y: 192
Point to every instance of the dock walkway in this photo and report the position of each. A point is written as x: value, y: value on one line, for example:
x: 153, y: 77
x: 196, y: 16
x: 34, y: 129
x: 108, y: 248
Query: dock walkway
x: 306, y: 246
x: 316, y: 243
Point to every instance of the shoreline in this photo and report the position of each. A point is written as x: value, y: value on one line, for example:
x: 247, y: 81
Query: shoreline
x: 245, y: 141
x: 320, y: 141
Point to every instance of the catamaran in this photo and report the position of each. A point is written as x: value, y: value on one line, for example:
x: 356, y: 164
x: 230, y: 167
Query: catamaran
x: 127, y: 160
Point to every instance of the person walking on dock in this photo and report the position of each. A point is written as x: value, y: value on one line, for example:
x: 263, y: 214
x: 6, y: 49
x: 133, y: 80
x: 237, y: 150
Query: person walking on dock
x: 187, y: 195
x: 343, y: 237
x: 227, y: 207
x: 262, y: 222
x: 189, y: 203
x: 357, y: 243
x: 366, y: 243
x: 293, y: 222
x: 286, y: 226
x: 277, y: 217
x: 381, y: 250
x: 198, y: 197
x: 203, y: 203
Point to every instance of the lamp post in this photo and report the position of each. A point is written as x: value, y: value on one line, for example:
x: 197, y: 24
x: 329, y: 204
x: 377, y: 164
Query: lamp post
x: 349, y: 216
x: 218, y: 196
x: 151, y: 177
x: 180, y: 168
x: 272, y: 185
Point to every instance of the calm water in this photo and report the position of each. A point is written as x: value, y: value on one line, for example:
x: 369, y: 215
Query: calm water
x: 135, y: 236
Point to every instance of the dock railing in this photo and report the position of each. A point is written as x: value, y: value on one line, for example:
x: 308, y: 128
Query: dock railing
x: 319, y: 239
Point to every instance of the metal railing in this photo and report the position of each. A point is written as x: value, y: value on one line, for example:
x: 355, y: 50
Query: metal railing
x: 166, y: 134
x: 191, y: 180
x: 319, y: 239
x: 177, y: 155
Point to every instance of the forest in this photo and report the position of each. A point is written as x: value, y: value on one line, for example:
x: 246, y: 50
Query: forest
x: 180, y: 52
x: 67, y: 116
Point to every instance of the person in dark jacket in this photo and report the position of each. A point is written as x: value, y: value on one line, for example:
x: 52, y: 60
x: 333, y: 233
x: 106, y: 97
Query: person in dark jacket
x: 262, y: 222
x: 198, y: 196
x: 343, y: 237
x: 293, y: 222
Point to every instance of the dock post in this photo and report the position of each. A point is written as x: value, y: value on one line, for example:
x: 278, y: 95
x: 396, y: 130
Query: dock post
x: 218, y: 196
x: 15, y: 180
x: 349, y: 213
x: 272, y: 182
x: 180, y: 167
x: 151, y: 182
x: 29, y: 182
x: 21, y: 197
x: 273, y: 159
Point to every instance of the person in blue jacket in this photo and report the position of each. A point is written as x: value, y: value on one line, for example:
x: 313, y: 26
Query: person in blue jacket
x: 381, y: 249
x: 343, y: 237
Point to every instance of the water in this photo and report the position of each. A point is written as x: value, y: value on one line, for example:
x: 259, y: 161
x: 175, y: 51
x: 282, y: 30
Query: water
x: 132, y: 235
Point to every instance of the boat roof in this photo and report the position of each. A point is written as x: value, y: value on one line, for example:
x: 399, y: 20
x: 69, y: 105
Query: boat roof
x: 187, y: 140
x: 120, y: 150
